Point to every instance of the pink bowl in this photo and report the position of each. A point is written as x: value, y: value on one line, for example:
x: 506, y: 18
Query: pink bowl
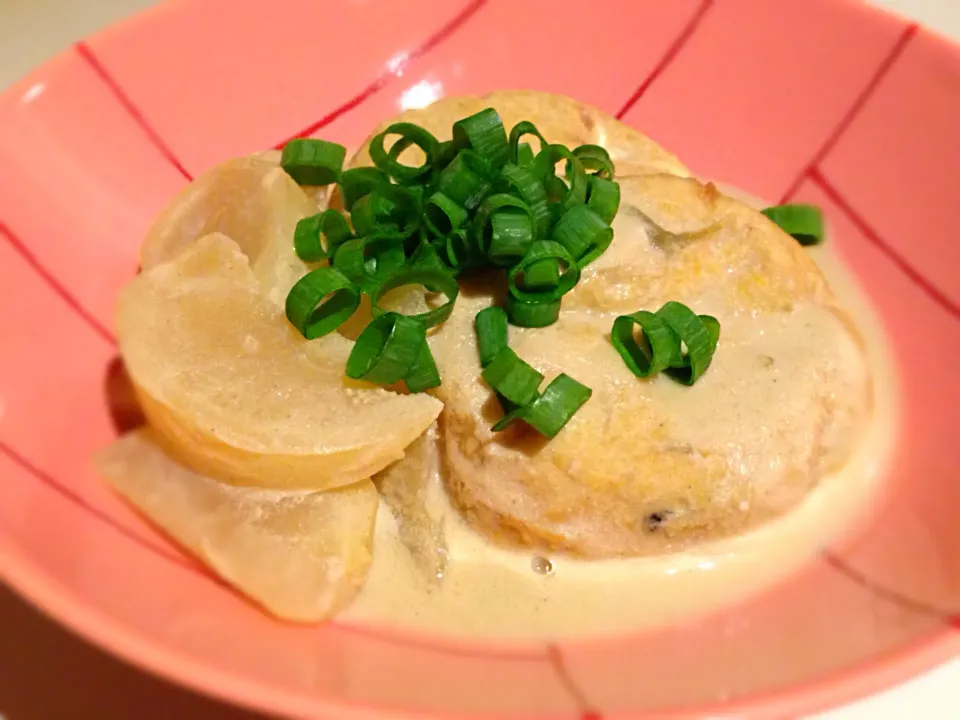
x: 824, y: 101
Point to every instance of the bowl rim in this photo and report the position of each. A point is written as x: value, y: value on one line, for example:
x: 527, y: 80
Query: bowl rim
x: 834, y: 689
x: 122, y: 640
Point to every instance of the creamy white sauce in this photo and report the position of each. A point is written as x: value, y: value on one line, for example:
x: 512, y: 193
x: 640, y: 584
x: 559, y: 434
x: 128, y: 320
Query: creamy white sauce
x: 492, y: 592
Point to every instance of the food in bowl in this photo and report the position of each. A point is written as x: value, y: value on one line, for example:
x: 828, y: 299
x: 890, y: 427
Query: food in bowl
x: 505, y: 374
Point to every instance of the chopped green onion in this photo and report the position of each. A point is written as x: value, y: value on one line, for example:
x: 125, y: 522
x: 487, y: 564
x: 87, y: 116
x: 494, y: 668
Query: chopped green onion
x: 446, y: 152
x: 584, y: 234
x: 512, y: 378
x: 461, y: 251
x: 387, y: 349
x: 358, y: 182
x: 424, y: 374
x: 532, y: 314
x: 484, y: 133
x: 542, y: 274
x: 660, y: 348
x: 433, y: 280
x: 539, y: 252
x: 556, y: 190
x: 368, y: 260
x: 467, y: 179
x: 426, y: 257
x: 511, y: 236
x: 512, y: 241
x: 665, y: 334
x: 522, y: 128
x: 320, y: 302
x: 388, y: 210
x: 594, y: 157
x: 443, y: 215
x: 417, y: 193
x: 306, y: 239
x: 700, y: 334
x: 545, y: 167
x: 409, y: 134
x: 524, y: 155
x: 307, y: 235
x: 803, y: 222
x: 313, y: 162
x: 396, y: 150
x: 552, y: 410
x: 603, y: 197
x: 491, y: 327
x: 481, y: 199
x: 522, y: 182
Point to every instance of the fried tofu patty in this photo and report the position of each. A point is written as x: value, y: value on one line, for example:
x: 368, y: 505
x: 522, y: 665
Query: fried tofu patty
x: 649, y: 465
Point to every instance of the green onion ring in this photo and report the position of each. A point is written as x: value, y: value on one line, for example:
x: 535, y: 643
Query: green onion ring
x: 482, y: 227
x: 443, y: 215
x: 424, y: 374
x: 556, y: 190
x: 467, y: 180
x: 426, y: 257
x: 358, y: 182
x: 524, y: 155
x: 522, y: 128
x: 525, y: 184
x: 532, y: 314
x: 541, y: 275
x: 409, y: 134
x: 512, y: 378
x: 387, y: 349
x: 552, y: 409
x: 310, y: 161
x: 432, y: 279
x: 398, y: 147
x: 446, y: 152
x: 484, y: 133
x: 391, y: 210
x: 803, y: 222
x: 461, y: 252
x: 307, y: 235
x: 584, y: 234
x: 491, y: 326
x: 310, y: 313
x: 594, y: 157
x: 700, y: 333
x: 511, y: 235
x: 539, y: 251
x: 544, y: 166
x: 603, y: 197
x: 666, y: 332
x: 660, y: 350
x: 369, y: 260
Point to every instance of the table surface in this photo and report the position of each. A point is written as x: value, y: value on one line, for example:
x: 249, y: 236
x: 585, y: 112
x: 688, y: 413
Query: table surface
x: 48, y: 674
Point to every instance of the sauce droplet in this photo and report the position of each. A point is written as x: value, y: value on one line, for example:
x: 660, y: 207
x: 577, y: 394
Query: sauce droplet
x: 541, y: 565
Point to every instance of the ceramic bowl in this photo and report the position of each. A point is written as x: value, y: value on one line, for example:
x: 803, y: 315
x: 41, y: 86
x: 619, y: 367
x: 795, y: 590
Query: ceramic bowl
x: 822, y: 101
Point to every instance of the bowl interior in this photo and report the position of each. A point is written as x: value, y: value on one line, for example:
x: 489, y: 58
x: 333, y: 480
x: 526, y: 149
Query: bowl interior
x: 820, y: 101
